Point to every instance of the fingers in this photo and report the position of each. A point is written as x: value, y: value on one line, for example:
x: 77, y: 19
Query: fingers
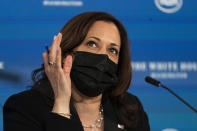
x: 54, y: 47
x: 67, y: 65
x: 59, y: 39
x: 45, y: 59
x: 58, y: 55
x: 59, y: 58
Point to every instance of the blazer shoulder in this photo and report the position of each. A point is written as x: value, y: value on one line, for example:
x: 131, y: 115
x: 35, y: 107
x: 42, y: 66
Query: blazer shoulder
x: 24, y: 98
x: 131, y: 99
x: 29, y: 101
x: 144, y: 122
x: 28, y: 110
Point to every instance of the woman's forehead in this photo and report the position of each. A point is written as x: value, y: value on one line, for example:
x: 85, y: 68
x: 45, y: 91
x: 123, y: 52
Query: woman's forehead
x: 105, y: 31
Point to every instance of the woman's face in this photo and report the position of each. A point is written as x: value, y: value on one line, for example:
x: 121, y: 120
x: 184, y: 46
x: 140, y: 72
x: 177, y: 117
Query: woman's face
x: 102, y: 38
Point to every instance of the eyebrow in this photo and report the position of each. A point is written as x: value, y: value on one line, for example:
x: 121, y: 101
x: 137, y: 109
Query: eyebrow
x: 112, y: 44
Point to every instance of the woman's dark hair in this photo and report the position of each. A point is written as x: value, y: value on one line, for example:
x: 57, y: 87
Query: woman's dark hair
x: 73, y: 34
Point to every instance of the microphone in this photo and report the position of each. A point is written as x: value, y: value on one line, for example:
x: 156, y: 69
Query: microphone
x: 152, y: 81
x: 158, y: 84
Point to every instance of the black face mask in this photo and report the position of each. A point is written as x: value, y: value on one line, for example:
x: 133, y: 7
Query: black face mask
x: 93, y: 74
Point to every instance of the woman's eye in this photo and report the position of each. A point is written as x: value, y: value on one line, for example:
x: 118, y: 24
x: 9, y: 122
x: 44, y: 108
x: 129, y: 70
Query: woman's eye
x: 92, y: 44
x: 114, y: 51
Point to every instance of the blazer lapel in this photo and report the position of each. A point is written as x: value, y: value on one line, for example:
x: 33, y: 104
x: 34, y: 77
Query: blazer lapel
x: 110, y: 117
x: 75, y: 115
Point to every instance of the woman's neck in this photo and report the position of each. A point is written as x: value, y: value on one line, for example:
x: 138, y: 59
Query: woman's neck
x: 88, y: 109
x: 86, y: 106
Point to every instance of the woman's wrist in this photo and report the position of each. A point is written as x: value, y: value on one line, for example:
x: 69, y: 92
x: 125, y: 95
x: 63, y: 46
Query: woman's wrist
x: 62, y: 107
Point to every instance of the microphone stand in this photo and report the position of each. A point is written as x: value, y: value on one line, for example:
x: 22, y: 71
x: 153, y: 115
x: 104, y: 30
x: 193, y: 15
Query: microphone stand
x: 161, y: 85
x: 158, y: 84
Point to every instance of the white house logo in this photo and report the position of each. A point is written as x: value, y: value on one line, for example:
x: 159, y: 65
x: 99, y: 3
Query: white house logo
x: 169, y: 6
x: 169, y: 129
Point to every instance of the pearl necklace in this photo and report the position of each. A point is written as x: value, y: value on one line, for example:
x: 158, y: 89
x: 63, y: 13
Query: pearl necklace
x: 98, y: 122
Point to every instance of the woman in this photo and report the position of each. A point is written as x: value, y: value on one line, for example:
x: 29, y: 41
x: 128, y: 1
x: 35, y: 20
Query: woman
x: 83, y: 84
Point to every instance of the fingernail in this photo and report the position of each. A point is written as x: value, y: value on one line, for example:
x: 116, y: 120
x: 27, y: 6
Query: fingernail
x: 54, y: 37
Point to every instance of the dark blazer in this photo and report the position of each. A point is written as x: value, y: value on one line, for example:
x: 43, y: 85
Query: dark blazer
x: 29, y: 111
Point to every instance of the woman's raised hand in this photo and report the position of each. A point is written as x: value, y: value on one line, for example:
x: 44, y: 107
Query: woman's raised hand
x: 59, y: 77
